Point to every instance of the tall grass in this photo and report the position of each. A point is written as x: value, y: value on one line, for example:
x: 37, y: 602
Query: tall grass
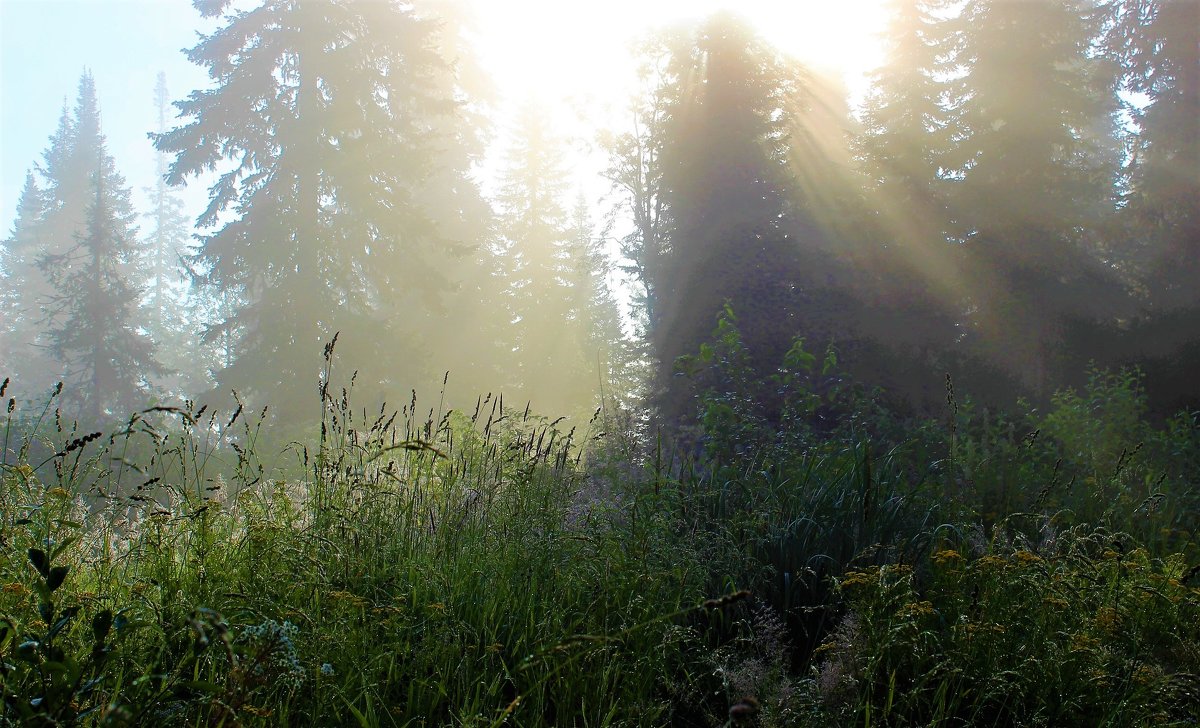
x: 833, y: 566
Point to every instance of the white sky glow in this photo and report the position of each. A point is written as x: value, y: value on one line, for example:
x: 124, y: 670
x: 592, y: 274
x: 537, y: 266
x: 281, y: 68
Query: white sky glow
x: 572, y: 56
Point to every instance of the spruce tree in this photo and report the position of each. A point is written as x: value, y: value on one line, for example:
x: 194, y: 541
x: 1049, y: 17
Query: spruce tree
x: 595, y: 312
x: 109, y: 362
x: 535, y: 242
x: 1036, y: 162
x: 170, y: 324
x: 739, y: 228
x: 918, y: 284
x: 44, y: 248
x: 328, y: 121
x: 22, y: 292
x: 1157, y: 44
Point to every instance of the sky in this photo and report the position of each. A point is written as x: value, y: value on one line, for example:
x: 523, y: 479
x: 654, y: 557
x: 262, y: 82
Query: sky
x: 569, y: 55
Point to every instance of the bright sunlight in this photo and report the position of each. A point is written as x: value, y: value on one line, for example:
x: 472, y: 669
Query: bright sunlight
x: 578, y: 50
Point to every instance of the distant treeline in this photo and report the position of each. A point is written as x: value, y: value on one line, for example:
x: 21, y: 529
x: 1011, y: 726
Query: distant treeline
x: 1018, y: 197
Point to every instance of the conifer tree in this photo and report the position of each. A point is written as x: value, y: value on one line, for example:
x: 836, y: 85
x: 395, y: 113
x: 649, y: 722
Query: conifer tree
x: 109, y: 363
x: 737, y: 138
x: 170, y: 324
x: 535, y: 242
x: 331, y: 119
x: 596, y: 314
x: 1036, y: 161
x: 22, y: 289
x: 44, y: 248
x: 912, y: 268
x: 1157, y: 44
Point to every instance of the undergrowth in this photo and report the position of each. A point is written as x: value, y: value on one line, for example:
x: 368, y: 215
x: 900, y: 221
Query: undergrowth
x: 813, y: 560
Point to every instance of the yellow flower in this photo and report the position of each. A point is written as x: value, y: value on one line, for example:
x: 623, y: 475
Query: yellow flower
x: 1026, y: 557
x: 1056, y: 602
x: 24, y: 470
x: 1107, y: 619
x: 353, y: 600
x: 258, y: 712
x: 1146, y: 674
x: 941, y: 558
x: 916, y: 610
x: 1081, y: 642
x: 57, y: 492
x: 856, y: 579
x: 991, y: 561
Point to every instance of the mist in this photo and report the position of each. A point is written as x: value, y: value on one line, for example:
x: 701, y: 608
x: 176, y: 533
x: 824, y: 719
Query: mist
x: 985, y: 204
x: 369, y: 362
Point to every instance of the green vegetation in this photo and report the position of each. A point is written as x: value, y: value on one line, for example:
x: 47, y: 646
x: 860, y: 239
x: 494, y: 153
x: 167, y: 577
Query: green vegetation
x: 818, y: 561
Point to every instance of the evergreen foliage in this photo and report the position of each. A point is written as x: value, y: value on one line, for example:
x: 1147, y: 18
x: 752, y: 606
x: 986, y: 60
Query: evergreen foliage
x: 1036, y: 178
x: 883, y: 486
x: 75, y: 255
x: 1157, y: 45
x: 318, y: 222
x: 736, y: 227
x: 564, y: 328
x: 173, y: 317
x: 108, y: 362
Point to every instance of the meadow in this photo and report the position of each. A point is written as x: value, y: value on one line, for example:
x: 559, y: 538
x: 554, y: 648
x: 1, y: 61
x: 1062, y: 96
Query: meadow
x: 840, y: 566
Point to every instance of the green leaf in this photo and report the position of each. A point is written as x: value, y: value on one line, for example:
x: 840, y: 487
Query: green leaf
x: 201, y: 686
x: 66, y: 544
x: 28, y: 651
x: 101, y: 625
x: 67, y: 615
x: 40, y: 561
x: 57, y: 575
x: 831, y: 361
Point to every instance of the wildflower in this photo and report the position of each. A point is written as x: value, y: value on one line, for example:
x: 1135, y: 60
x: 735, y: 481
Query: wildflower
x: 916, y: 610
x: 1027, y: 557
x: 1107, y: 619
x: 274, y: 652
x: 258, y: 712
x: 857, y: 578
x: 1081, y: 642
x: 1146, y: 674
x: 991, y: 561
x: 946, y: 556
x: 327, y: 669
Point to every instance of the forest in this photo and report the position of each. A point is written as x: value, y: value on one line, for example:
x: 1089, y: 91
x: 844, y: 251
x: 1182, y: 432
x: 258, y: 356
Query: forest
x: 831, y: 407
